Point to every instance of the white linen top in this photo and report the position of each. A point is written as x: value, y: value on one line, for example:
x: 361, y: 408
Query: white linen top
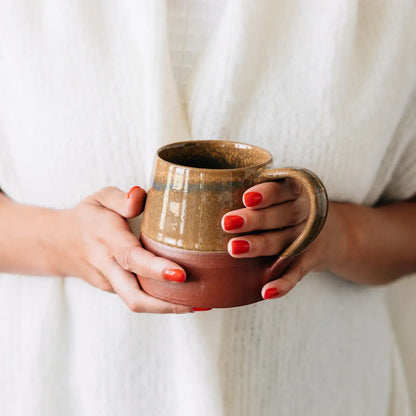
x: 88, y: 92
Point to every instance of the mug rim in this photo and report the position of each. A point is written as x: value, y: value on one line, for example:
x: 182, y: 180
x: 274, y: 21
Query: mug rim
x: 218, y: 141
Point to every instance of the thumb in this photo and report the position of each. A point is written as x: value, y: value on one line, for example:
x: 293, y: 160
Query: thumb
x: 128, y: 204
x: 288, y: 280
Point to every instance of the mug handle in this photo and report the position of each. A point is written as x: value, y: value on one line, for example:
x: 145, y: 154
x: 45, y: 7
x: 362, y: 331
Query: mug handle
x: 318, y: 212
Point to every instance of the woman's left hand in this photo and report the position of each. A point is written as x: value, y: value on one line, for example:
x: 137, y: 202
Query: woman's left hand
x: 277, y: 212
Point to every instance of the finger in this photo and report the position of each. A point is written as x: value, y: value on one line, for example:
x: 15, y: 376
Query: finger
x: 290, y: 278
x: 265, y: 244
x: 271, y: 193
x: 136, y: 198
x: 127, y: 287
x: 99, y: 281
x: 277, y: 216
x: 94, y: 277
x: 128, y: 205
x: 132, y: 257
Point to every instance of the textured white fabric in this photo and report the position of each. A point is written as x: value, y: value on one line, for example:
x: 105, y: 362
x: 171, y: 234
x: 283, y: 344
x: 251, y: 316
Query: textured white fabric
x: 190, y: 24
x: 401, y: 301
x: 87, y: 94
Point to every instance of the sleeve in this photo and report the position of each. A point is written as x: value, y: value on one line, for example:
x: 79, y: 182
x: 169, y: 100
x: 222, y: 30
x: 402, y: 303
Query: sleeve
x: 402, y: 184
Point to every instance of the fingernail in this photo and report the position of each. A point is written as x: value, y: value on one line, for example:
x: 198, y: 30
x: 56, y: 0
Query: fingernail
x: 270, y: 293
x: 251, y: 199
x: 200, y: 309
x: 132, y: 189
x: 239, y: 246
x: 175, y: 275
x: 232, y: 222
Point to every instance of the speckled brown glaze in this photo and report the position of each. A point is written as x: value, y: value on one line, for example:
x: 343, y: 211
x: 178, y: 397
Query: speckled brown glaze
x: 195, y: 183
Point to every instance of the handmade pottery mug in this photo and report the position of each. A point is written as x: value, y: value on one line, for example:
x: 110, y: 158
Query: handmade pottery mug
x: 194, y: 184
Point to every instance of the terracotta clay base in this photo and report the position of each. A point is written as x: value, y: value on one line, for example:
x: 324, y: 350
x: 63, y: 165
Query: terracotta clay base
x: 214, y: 279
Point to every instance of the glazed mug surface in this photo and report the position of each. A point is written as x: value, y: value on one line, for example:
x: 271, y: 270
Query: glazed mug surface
x: 194, y: 184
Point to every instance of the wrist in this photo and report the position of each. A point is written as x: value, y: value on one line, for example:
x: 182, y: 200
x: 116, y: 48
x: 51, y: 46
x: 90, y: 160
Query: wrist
x: 345, y: 236
x: 60, y: 248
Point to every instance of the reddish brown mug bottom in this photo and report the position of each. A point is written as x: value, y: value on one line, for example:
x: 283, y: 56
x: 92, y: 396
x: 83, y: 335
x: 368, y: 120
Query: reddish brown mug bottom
x: 213, y: 279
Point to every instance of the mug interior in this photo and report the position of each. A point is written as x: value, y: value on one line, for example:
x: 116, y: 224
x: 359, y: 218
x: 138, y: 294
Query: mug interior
x: 214, y: 154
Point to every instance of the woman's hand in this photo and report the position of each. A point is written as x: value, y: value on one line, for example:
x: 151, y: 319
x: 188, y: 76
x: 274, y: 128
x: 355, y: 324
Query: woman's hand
x: 362, y: 244
x: 100, y: 248
x: 277, y: 213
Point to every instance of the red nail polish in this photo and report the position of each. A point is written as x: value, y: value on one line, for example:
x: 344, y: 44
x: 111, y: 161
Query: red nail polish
x: 251, y: 199
x: 132, y: 189
x: 240, y: 246
x: 175, y: 275
x: 200, y: 309
x: 270, y: 293
x: 232, y: 222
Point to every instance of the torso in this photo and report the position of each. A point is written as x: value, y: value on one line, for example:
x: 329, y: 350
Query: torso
x: 90, y: 94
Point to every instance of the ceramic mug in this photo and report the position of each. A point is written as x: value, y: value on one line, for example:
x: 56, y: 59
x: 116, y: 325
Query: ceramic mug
x: 194, y: 184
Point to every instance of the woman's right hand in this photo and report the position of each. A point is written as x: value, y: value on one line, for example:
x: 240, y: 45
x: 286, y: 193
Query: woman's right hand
x: 101, y: 249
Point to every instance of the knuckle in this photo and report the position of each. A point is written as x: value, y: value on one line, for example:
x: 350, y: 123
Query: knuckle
x: 135, y: 306
x: 156, y: 267
x: 105, y: 286
x: 175, y: 309
x: 100, y: 193
x: 274, y: 187
x: 267, y: 245
x: 295, y: 212
x: 300, y: 271
x: 259, y: 219
x: 125, y: 259
x: 98, y: 280
x: 295, y: 187
x: 289, y: 285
